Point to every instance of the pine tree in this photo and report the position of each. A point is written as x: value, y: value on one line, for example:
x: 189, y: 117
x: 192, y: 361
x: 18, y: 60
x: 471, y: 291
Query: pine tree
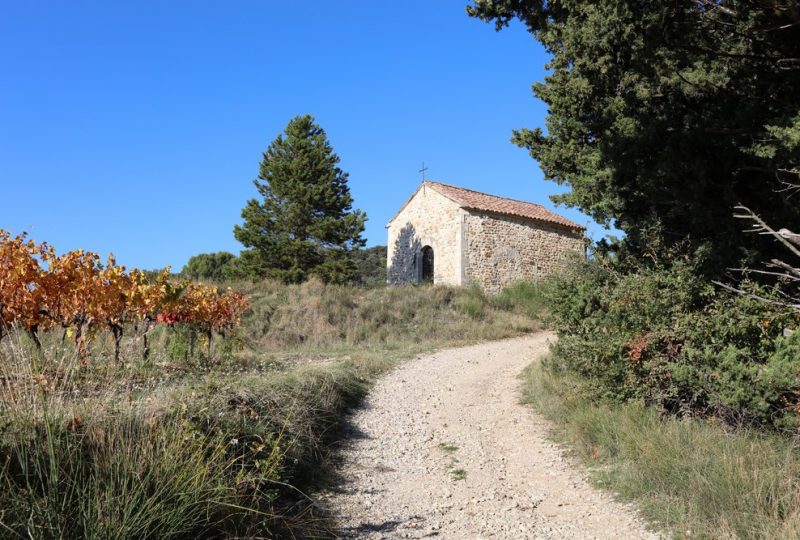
x: 304, y: 223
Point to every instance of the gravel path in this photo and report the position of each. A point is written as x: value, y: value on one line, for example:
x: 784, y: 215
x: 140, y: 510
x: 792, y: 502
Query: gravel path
x: 442, y: 448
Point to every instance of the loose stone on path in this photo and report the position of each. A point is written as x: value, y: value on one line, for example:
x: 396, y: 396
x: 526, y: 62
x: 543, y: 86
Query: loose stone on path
x: 442, y: 448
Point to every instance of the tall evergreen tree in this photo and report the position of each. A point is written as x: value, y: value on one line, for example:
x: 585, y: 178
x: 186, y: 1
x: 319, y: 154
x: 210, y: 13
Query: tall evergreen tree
x: 662, y: 116
x: 304, y: 223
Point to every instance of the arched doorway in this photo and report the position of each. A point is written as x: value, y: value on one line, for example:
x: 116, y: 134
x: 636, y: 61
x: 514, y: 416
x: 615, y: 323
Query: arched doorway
x: 427, y: 264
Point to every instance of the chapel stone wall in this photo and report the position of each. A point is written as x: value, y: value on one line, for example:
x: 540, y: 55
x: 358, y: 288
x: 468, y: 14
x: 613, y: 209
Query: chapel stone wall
x: 501, y: 249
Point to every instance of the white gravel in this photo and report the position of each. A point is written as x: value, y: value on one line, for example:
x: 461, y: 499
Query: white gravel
x: 442, y: 448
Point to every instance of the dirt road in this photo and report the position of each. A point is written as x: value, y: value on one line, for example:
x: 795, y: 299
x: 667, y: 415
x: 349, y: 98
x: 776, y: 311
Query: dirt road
x: 442, y: 448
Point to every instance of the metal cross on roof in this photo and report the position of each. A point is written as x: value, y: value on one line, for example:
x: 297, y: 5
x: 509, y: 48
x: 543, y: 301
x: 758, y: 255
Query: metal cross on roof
x: 423, y: 170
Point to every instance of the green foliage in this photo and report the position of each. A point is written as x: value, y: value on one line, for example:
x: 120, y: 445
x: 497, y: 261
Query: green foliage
x: 212, y: 266
x: 666, y: 337
x: 472, y: 302
x: 662, y: 116
x: 458, y: 474
x: 471, y: 306
x: 304, y: 223
x: 183, y: 344
x: 115, y: 477
x: 178, y: 342
x: 448, y: 447
x: 371, y: 266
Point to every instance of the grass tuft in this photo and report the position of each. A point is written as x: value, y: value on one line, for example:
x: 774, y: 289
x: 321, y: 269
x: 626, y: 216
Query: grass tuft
x: 448, y: 447
x: 525, y: 297
x: 458, y: 474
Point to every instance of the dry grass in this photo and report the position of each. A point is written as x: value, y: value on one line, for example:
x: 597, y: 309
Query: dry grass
x: 191, y: 446
x: 316, y: 316
x: 688, y: 476
x: 194, y: 458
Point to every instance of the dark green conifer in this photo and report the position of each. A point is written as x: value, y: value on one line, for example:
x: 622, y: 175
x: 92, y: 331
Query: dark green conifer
x: 662, y: 116
x: 304, y: 223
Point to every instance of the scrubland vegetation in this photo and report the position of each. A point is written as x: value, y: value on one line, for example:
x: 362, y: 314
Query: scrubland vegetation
x: 209, y: 444
x: 677, y: 394
x: 679, y: 343
x: 676, y: 373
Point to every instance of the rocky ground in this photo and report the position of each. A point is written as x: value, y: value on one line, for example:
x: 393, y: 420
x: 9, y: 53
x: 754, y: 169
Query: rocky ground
x: 442, y: 448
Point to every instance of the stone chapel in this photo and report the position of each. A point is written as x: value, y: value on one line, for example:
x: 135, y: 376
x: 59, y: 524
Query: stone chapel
x: 450, y: 235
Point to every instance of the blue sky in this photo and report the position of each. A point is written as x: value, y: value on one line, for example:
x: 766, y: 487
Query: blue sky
x: 137, y: 127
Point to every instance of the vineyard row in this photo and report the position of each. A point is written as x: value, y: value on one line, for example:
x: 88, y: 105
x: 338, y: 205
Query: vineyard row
x: 40, y: 290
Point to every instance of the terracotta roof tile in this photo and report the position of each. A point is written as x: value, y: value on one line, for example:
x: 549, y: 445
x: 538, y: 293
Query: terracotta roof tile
x: 475, y: 200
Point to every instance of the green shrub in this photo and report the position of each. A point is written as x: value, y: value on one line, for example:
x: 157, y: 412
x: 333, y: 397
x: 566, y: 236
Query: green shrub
x: 669, y: 338
x: 214, y: 266
x: 472, y: 307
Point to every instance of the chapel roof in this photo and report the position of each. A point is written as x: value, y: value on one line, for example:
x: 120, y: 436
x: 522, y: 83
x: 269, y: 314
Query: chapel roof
x: 475, y: 200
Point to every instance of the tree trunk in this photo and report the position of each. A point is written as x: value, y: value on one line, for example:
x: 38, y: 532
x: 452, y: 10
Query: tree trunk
x: 80, y: 343
x: 116, y: 330
x: 145, y: 346
x: 33, y: 331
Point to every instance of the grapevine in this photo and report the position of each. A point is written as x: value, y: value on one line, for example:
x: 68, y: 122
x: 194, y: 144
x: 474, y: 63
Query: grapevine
x: 40, y: 290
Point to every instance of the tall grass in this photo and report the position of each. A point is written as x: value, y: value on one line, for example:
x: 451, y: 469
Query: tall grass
x: 689, y: 476
x: 314, y: 316
x: 208, y: 446
x: 526, y: 297
x: 114, y: 464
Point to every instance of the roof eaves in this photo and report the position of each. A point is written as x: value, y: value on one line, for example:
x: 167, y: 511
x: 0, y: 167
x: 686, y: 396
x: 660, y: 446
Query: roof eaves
x: 570, y: 225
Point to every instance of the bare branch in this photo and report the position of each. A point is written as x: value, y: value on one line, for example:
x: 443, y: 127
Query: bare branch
x: 765, y: 273
x: 789, y: 273
x: 775, y: 263
x: 794, y: 238
x: 713, y: 6
x: 779, y: 27
x: 757, y: 297
x: 763, y: 228
x: 788, y: 187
